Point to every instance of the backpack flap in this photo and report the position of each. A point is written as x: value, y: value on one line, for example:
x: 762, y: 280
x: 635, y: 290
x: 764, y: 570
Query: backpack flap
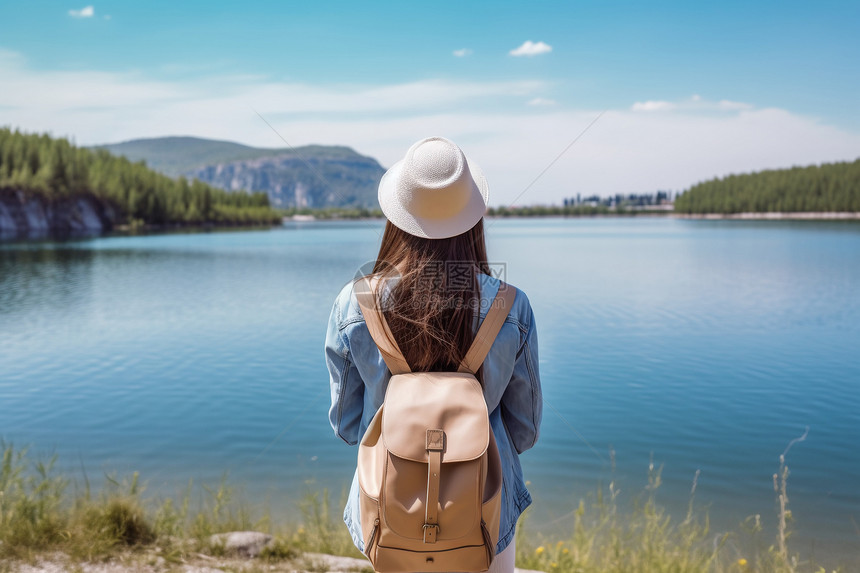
x: 422, y: 401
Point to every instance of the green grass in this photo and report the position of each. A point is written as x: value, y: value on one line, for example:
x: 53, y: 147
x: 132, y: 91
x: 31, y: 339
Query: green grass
x: 40, y: 514
x: 606, y: 540
x: 645, y: 539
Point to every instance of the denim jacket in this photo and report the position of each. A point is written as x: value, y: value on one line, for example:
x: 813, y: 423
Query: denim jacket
x: 512, y: 390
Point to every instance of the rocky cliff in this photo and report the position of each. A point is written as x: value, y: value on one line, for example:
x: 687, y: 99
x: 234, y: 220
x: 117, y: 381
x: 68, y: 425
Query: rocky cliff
x: 348, y: 180
x: 309, y: 176
x: 28, y: 215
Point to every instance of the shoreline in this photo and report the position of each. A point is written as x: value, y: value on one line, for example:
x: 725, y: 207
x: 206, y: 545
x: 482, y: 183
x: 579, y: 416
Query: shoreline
x: 121, y: 230
x: 776, y: 216
x: 751, y: 216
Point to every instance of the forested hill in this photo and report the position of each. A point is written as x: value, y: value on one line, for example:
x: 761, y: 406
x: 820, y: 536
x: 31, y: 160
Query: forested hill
x: 55, y: 170
x: 309, y: 176
x: 819, y: 188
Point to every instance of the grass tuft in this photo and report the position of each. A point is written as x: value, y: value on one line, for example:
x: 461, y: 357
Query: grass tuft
x: 647, y: 540
x: 320, y: 533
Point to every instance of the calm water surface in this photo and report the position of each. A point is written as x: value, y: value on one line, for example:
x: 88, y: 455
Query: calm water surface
x: 707, y: 345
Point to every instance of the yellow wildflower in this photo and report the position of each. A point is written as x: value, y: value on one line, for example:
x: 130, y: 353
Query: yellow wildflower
x: 742, y: 562
x: 565, y: 551
x: 539, y: 550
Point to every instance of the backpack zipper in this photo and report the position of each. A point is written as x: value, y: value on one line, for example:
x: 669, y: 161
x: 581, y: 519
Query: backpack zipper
x: 488, y: 543
x: 372, y: 537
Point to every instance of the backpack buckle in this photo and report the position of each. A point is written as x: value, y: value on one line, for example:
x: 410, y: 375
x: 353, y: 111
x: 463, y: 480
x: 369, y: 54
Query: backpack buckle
x: 431, y: 530
x: 435, y: 440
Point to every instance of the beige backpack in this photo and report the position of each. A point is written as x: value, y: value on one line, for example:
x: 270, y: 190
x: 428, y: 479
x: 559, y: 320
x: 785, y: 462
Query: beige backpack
x: 428, y: 466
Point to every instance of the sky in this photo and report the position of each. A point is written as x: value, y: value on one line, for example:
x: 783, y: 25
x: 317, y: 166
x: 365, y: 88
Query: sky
x: 682, y: 91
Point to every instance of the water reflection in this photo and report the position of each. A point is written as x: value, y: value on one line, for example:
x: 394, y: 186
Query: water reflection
x: 44, y: 279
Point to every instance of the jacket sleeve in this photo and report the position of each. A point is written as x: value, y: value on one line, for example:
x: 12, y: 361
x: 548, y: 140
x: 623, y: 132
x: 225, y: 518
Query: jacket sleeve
x: 522, y: 402
x: 347, y: 387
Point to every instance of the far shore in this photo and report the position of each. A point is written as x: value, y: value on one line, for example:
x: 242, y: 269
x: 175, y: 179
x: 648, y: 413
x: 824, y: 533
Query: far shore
x: 764, y: 216
x: 832, y: 215
x: 145, y: 229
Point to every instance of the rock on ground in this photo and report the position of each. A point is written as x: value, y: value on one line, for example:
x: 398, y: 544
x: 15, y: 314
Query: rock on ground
x: 242, y: 543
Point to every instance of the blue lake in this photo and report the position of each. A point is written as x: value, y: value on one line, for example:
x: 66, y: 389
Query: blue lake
x: 708, y: 345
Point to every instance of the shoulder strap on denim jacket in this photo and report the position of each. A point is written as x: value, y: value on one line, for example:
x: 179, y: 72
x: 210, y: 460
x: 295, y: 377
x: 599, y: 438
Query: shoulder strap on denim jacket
x: 493, y: 321
x: 393, y: 357
x: 378, y: 328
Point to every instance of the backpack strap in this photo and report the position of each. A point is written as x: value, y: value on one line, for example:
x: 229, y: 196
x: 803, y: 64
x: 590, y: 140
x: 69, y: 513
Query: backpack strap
x: 499, y: 309
x: 434, y: 446
x: 378, y: 328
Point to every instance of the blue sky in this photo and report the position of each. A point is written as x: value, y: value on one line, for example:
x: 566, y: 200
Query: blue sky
x: 729, y: 86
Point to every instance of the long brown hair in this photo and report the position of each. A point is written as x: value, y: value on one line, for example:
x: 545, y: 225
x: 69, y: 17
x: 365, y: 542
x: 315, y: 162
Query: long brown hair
x: 431, y: 308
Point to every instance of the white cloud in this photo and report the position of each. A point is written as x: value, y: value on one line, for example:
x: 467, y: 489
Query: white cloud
x: 69, y: 91
x: 540, y: 101
x: 733, y: 105
x: 652, y: 106
x: 530, y: 48
x: 463, y: 52
x: 625, y: 151
x: 85, y: 12
x: 696, y: 104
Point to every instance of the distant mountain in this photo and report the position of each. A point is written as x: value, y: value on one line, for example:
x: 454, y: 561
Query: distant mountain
x: 309, y: 176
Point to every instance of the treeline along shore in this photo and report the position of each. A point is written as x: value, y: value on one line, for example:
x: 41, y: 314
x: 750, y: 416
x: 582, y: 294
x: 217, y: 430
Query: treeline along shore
x: 826, y: 189
x: 50, y: 186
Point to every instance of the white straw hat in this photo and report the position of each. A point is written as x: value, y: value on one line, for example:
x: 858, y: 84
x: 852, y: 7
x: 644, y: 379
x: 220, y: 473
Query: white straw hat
x: 435, y: 191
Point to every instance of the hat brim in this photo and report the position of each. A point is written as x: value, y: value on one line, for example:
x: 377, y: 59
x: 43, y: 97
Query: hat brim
x: 425, y: 227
